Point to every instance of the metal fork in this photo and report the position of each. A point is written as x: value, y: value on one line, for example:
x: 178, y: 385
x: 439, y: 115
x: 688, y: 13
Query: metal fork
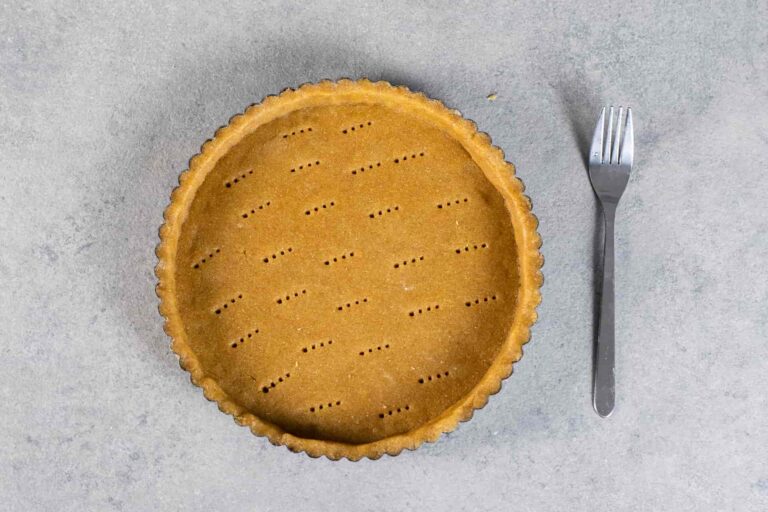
x: 610, y: 161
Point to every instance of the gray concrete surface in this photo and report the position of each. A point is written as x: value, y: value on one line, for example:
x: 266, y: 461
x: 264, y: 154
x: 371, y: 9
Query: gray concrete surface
x: 102, y: 105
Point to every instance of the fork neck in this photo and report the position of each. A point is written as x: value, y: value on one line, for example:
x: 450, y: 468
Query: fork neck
x: 609, y: 209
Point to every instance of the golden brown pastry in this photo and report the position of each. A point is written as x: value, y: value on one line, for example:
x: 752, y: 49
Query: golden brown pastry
x: 349, y: 269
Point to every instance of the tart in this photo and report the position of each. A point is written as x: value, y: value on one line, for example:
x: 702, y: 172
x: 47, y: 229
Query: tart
x: 349, y: 269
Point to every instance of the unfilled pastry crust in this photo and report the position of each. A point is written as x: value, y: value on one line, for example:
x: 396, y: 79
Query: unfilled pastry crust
x: 349, y: 269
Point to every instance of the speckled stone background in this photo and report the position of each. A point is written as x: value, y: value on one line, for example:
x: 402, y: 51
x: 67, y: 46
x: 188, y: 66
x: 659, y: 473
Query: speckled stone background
x: 101, y: 106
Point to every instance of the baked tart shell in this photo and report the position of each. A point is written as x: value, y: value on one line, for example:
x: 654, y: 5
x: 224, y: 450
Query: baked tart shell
x: 349, y: 269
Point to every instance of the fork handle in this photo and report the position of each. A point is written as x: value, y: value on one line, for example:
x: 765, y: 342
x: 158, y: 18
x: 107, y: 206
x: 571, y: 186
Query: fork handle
x: 604, y: 378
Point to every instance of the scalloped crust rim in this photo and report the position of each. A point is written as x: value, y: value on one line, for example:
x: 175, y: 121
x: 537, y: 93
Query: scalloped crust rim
x: 488, y: 157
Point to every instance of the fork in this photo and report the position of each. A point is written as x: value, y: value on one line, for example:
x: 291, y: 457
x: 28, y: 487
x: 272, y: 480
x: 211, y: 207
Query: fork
x: 610, y: 161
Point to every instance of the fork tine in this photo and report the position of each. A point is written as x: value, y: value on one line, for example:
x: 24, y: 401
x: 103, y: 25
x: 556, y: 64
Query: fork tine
x: 628, y: 148
x: 608, y: 135
x: 596, y: 150
x: 617, y: 138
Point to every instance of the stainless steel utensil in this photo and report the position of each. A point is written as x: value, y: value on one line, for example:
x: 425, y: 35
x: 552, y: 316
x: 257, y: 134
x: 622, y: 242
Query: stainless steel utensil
x: 610, y: 161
